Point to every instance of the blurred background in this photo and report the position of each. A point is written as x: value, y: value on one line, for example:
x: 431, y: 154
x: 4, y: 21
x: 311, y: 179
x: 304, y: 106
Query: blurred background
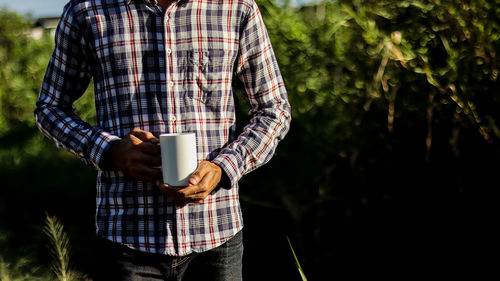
x: 390, y: 169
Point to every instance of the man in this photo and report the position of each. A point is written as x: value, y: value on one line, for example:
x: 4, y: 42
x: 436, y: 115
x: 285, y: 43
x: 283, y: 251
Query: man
x: 165, y: 67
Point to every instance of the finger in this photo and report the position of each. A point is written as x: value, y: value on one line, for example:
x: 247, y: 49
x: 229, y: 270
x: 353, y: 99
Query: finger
x: 145, y: 136
x: 137, y: 157
x: 150, y: 160
x: 149, y: 148
x: 170, y: 191
x: 144, y: 146
x: 191, y: 191
x: 197, y: 193
x: 144, y: 172
x: 179, y: 195
x: 184, y: 195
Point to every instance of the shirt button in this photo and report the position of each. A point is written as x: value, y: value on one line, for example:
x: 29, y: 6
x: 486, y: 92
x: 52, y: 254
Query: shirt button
x: 169, y: 51
x: 170, y: 84
x: 172, y: 117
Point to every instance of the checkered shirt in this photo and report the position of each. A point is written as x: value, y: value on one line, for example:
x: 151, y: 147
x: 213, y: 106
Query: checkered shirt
x: 165, y: 72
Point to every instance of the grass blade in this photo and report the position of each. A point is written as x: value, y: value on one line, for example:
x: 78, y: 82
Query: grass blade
x: 301, y: 272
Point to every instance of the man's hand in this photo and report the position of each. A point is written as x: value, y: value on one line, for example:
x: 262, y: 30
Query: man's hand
x: 135, y: 155
x: 201, y: 183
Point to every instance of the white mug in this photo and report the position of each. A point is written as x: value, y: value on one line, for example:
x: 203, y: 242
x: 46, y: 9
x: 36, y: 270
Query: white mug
x: 178, y: 158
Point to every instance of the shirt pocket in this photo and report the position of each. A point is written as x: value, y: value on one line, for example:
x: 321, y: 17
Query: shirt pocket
x: 207, y: 75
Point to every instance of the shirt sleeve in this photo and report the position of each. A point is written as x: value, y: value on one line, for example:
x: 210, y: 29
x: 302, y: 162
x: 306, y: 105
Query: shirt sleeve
x: 270, y: 109
x: 66, y: 79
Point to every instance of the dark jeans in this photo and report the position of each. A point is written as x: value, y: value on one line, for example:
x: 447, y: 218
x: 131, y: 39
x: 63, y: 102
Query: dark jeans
x: 121, y: 263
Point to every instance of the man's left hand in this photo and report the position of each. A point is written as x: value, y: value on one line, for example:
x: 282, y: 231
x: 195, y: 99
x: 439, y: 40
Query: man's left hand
x: 201, y: 183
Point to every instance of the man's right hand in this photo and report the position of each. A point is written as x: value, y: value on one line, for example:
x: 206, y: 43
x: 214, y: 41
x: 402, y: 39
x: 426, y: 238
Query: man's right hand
x: 135, y: 155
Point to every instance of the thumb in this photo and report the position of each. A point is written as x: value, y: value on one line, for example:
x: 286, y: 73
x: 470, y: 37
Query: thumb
x: 195, y: 178
x: 197, y: 175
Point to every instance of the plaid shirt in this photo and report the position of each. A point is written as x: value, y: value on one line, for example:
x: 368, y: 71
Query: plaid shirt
x: 165, y: 72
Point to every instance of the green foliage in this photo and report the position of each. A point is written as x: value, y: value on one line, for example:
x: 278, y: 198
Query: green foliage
x: 23, y: 64
x: 60, y: 250
x: 23, y: 61
x: 342, y: 56
x: 362, y: 73
x: 23, y: 269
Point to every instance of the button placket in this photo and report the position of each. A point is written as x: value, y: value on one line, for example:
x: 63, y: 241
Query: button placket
x: 171, y: 87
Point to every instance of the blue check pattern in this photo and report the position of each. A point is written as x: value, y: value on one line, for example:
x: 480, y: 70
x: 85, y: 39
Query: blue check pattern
x: 165, y: 72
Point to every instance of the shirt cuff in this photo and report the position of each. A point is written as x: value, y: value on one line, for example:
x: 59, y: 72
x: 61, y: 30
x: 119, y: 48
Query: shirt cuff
x: 229, y: 166
x: 101, y: 145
